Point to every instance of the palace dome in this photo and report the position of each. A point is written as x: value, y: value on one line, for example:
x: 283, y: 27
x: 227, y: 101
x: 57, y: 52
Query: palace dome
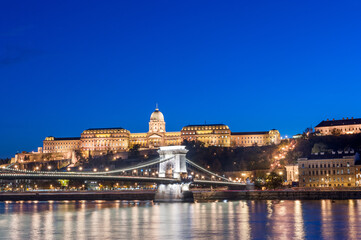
x: 157, y: 116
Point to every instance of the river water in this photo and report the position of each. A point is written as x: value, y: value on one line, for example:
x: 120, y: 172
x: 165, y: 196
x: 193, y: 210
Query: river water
x: 324, y: 219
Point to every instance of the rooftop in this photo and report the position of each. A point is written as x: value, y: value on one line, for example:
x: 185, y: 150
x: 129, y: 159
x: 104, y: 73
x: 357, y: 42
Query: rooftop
x: 205, y: 125
x: 330, y: 123
x: 66, y: 138
x: 249, y: 133
x: 104, y: 128
x: 332, y: 155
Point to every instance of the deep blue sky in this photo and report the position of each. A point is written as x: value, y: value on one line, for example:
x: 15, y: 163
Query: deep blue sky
x: 255, y: 65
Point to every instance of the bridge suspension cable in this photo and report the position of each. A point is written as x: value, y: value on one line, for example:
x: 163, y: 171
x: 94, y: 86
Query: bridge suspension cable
x: 142, y: 165
x: 146, y: 164
x: 205, y: 170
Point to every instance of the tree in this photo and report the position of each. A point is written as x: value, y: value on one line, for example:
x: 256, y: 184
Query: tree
x: 335, y: 132
x: 258, y: 183
x: 274, y: 181
x: 319, y: 147
x: 307, y: 133
x: 134, y: 151
x: 4, y: 161
x: 293, y: 156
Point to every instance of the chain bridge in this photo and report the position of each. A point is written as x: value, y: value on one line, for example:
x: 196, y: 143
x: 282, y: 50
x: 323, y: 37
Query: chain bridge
x: 172, y: 167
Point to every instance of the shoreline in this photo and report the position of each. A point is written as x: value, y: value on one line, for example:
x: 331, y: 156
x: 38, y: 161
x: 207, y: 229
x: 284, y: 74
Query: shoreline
x: 198, y: 196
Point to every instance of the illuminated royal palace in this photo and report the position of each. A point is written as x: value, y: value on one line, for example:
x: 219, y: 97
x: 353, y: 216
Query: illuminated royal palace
x: 99, y: 140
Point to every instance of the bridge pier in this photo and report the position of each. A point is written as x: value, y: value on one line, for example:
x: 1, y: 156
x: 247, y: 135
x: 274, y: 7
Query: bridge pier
x: 177, y: 192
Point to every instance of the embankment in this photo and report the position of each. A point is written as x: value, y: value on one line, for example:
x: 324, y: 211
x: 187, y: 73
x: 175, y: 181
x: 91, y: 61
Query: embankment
x: 197, y: 195
x: 83, y: 195
x: 275, y: 195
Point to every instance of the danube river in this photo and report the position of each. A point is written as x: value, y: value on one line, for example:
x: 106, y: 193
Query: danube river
x: 324, y: 219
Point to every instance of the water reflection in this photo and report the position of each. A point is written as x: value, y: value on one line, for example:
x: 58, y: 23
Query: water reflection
x: 214, y: 220
x: 298, y: 219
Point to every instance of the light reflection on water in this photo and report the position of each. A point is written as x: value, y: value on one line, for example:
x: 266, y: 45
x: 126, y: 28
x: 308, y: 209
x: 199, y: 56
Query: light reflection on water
x: 323, y: 219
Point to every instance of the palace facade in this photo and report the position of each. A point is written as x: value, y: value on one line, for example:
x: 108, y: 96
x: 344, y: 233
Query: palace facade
x: 344, y: 126
x: 120, y: 139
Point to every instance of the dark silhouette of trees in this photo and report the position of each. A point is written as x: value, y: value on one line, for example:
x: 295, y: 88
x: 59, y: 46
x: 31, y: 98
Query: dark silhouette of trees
x: 230, y: 159
x: 335, y: 132
x: 274, y: 181
x: 4, y: 161
x: 134, y: 151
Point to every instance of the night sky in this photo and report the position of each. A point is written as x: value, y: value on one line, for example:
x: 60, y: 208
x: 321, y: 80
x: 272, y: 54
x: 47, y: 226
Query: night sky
x: 66, y: 66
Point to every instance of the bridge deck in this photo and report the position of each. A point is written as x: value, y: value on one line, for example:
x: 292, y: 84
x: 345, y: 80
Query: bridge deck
x: 87, y: 177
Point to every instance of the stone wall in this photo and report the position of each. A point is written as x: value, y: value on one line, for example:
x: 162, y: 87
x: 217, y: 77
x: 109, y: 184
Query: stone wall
x: 275, y: 195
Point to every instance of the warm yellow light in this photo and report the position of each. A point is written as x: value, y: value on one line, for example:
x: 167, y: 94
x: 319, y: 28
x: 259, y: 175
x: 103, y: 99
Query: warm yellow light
x: 95, y: 170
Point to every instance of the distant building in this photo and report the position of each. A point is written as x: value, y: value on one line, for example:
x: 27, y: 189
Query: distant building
x: 98, y: 141
x: 120, y: 139
x: 210, y: 134
x: 344, y: 126
x: 297, y: 136
x: 328, y: 170
x: 247, y: 139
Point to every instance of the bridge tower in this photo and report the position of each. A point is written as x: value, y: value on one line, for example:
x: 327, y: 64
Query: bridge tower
x: 176, y: 162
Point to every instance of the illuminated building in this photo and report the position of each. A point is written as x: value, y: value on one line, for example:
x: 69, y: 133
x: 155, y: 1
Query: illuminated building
x: 328, y: 170
x: 247, y: 139
x: 117, y: 139
x: 52, y: 144
x: 210, y: 134
x: 344, y: 126
x: 220, y: 135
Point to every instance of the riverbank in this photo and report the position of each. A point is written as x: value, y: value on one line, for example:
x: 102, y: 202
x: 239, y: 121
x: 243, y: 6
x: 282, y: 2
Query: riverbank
x: 197, y: 195
x: 80, y: 195
x: 276, y: 195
